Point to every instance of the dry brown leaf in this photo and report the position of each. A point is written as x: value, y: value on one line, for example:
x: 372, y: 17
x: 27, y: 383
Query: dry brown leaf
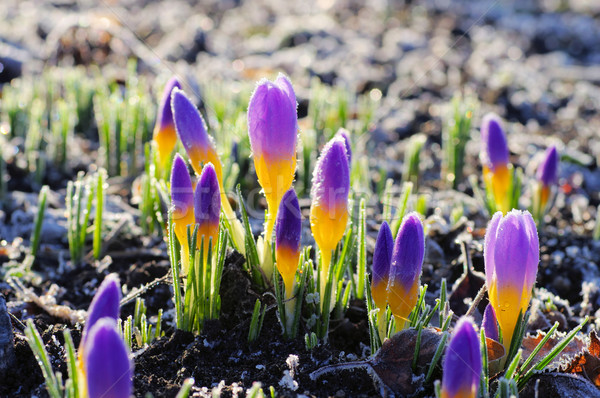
x: 587, y: 363
x: 571, y: 350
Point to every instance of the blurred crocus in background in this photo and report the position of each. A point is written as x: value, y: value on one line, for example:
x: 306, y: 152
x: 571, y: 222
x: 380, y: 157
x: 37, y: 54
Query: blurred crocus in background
x: 405, y: 269
x: 495, y: 159
x: 511, y: 253
x: 107, y: 366
x: 207, y: 207
x: 165, y: 136
x: 201, y: 150
x: 273, y: 133
x: 182, y: 206
x: 288, y: 232
x: 382, y: 259
x: 329, y: 206
x: 462, y: 363
x: 546, y: 179
x: 490, y: 324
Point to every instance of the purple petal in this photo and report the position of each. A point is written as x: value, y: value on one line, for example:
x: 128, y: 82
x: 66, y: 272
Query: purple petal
x: 189, y: 123
x: 382, y: 256
x: 409, y: 251
x: 272, y: 119
x: 165, y: 114
x: 495, y: 149
x: 108, y: 368
x: 533, y: 257
x: 331, y: 177
x: 490, y: 324
x: 106, y: 303
x: 288, y: 229
x: 207, y: 197
x: 345, y: 134
x: 547, y: 172
x: 462, y: 364
x: 489, y: 248
x: 182, y: 192
x: 511, y: 252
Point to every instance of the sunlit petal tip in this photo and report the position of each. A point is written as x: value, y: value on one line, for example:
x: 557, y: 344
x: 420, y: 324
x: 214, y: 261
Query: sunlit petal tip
x: 382, y: 258
x: 409, y: 251
x: 345, y: 134
x: 207, y: 198
x: 107, y: 366
x: 182, y: 192
x: 190, y: 125
x: 106, y: 303
x: 462, y: 364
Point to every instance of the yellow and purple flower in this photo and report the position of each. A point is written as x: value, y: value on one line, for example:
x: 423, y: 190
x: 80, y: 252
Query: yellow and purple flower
x: 462, y: 364
x: 495, y: 159
x: 165, y: 135
x: 107, y: 366
x: 106, y: 303
x: 273, y: 133
x: 490, y: 324
x: 382, y: 259
x: 207, y: 207
x: 182, y: 206
x: 288, y: 231
x: 512, y: 254
x: 547, y: 176
x: 329, y: 194
x: 405, y: 269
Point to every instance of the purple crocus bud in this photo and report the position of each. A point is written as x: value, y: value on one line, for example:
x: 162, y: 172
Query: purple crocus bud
x: 191, y: 130
x: 207, y: 206
x: 490, y: 324
x: 164, y: 130
x: 382, y: 259
x: 107, y: 366
x: 329, y: 194
x: 405, y: 269
x: 288, y: 231
x: 345, y: 134
x: 462, y: 364
x: 273, y: 133
x: 493, y: 139
x: 511, y: 253
x: 182, y: 205
x: 547, y: 172
x: 106, y: 303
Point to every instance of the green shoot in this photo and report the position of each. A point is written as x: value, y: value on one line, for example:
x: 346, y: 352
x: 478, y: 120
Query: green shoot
x: 258, y: 316
x: 412, y: 155
x: 455, y: 135
x: 39, y: 219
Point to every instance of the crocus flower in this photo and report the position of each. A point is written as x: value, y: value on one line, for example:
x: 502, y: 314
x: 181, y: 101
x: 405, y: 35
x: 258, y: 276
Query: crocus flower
x: 165, y: 136
x: 106, y: 303
x: 547, y: 175
x: 288, y: 231
x: 382, y: 259
x: 345, y: 134
x: 494, y: 155
x: 405, y: 270
x: 107, y: 366
x: 273, y: 132
x: 512, y: 254
x: 462, y: 364
x: 329, y: 194
x: 182, y: 205
x: 207, y: 206
x: 490, y: 324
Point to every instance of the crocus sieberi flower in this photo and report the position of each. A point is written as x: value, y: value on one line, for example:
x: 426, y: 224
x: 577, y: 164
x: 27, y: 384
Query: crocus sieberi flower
x: 405, y: 269
x: 182, y: 206
x: 329, y: 207
x: 207, y: 207
x: 512, y: 254
x: 107, y: 366
x: 106, y: 303
x: 494, y: 156
x: 165, y: 136
x: 462, y: 364
x: 273, y: 133
x: 547, y: 176
x: 345, y: 134
x: 490, y: 324
x: 382, y: 259
x: 288, y: 231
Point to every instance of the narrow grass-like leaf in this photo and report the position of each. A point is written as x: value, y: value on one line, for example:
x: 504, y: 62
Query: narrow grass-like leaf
x: 39, y: 219
x: 36, y: 344
x: 437, y: 355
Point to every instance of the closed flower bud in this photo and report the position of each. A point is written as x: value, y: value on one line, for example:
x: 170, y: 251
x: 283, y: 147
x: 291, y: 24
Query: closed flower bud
x: 405, y: 269
x: 494, y: 156
x: 273, y: 133
x: 462, y: 364
x: 207, y: 206
x: 512, y: 254
x: 107, y: 366
x: 547, y: 176
x: 165, y: 136
x: 182, y: 205
x: 106, y: 303
x: 490, y: 324
x: 345, y: 134
x: 288, y: 231
x: 382, y: 259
